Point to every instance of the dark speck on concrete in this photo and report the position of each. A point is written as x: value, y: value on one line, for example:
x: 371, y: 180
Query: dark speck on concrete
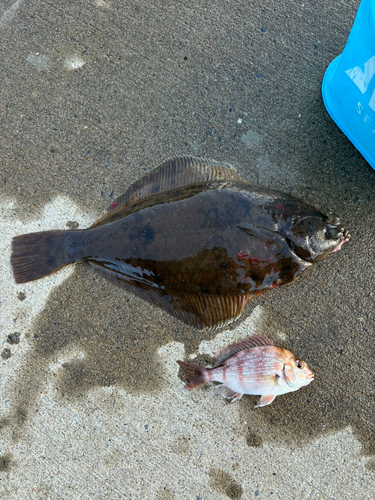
x: 6, y: 354
x: 21, y: 296
x: 256, y: 493
x: 14, y: 338
x: 35, y: 335
x: 253, y: 439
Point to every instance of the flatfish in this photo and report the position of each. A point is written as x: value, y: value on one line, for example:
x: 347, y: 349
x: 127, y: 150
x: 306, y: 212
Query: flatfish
x: 193, y: 238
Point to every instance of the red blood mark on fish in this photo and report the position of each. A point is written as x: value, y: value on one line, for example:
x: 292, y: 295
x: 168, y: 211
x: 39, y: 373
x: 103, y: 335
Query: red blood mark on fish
x: 114, y: 205
x: 245, y: 256
x: 280, y: 206
x: 242, y: 255
x: 254, y: 259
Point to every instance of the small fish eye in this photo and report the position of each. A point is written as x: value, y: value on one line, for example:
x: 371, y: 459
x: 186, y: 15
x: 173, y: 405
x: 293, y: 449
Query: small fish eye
x: 299, y: 363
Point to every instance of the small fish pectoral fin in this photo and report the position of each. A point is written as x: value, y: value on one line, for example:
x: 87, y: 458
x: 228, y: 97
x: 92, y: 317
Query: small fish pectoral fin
x: 228, y: 393
x: 264, y: 234
x: 265, y: 400
x: 228, y: 351
x: 175, y: 172
x: 199, y: 311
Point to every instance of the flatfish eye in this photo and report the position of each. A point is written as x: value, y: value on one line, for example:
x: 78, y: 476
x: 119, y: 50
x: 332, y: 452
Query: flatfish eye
x: 334, y: 231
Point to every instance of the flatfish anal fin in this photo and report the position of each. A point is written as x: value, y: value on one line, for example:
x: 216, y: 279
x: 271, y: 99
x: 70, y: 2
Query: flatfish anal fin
x: 199, y: 311
x: 257, y: 340
x: 265, y: 400
x: 228, y: 393
x: 175, y: 172
x: 264, y: 234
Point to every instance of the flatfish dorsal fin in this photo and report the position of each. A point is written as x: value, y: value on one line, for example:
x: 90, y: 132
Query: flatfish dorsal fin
x: 257, y: 340
x: 175, y: 172
x: 200, y: 311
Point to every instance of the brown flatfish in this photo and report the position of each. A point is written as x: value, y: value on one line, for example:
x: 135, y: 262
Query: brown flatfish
x: 193, y: 238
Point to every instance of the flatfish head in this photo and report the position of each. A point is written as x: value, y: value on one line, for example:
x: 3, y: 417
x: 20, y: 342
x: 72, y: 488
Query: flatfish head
x: 313, y: 237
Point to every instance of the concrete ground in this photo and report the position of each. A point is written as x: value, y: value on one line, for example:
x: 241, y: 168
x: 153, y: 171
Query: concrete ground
x: 93, y: 94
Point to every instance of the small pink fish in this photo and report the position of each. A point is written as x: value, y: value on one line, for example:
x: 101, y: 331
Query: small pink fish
x: 253, y: 366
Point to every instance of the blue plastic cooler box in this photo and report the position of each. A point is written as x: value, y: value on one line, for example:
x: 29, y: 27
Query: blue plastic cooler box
x: 349, y: 84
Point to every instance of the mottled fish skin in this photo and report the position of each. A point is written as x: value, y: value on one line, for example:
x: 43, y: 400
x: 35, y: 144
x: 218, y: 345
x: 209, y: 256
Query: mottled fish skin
x: 263, y: 370
x: 193, y: 238
x: 196, y: 245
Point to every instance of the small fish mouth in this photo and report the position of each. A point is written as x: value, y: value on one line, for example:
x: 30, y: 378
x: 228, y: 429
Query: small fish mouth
x: 310, y: 376
x: 345, y: 238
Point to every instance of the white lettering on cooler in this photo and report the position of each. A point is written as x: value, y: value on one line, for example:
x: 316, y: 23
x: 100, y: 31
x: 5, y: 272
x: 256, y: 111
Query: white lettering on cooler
x: 362, y: 78
x: 367, y: 120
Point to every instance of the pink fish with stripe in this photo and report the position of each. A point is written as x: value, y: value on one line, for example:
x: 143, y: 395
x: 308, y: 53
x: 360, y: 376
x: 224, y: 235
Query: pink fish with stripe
x: 253, y: 366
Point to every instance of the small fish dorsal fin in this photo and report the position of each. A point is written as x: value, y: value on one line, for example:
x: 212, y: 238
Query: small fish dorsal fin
x: 175, y: 172
x: 257, y: 340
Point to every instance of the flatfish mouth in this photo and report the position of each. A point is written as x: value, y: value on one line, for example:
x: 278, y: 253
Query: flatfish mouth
x: 193, y: 238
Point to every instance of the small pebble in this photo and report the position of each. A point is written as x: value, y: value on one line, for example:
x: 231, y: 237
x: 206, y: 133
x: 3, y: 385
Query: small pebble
x: 72, y: 224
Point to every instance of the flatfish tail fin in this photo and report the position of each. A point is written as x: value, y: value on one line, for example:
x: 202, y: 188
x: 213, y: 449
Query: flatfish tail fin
x: 197, y: 375
x: 204, y: 312
x: 36, y: 255
x: 176, y: 172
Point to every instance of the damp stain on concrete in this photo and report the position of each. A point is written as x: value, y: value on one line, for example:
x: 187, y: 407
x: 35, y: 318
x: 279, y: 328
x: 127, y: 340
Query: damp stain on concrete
x: 253, y: 438
x: 6, y: 353
x: 222, y: 482
x: 6, y: 462
x: 119, y: 345
x: 252, y: 139
x: 8, y: 15
x: 340, y: 395
x: 165, y: 493
x: 116, y: 345
x: 40, y: 61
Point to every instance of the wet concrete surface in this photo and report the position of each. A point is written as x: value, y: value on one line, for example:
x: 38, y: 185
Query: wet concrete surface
x: 92, y: 96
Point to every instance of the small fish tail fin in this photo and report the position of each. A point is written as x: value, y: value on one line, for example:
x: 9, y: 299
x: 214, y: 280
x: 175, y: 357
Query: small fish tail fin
x: 197, y: 375
x: 36, y: 255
